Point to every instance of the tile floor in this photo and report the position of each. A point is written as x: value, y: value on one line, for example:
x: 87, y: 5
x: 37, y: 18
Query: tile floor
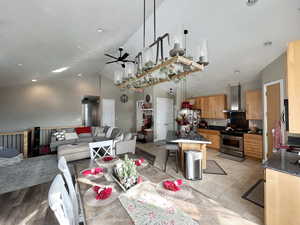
x: 226, y: 189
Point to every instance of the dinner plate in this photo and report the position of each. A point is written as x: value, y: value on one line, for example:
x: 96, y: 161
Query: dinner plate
x: 90, y: 196
x: 100, y: 162
x: 91, y: 176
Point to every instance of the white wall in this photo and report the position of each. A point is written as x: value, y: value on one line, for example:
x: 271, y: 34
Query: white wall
x: 125, y: 112
x: 46, y: 103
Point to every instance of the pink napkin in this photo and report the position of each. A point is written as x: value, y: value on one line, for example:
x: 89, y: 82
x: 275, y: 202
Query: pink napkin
x: 94, y: 171
x: 139, y: 162
x: 102, y: 193
x: 107, y: 158
x: 139, y: 180
x: 172, y: 185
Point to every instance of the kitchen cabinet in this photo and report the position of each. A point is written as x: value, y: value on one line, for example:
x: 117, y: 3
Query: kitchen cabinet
x: 253, y: 145
x: 254, y: 105
x: 212, y: 107
x: 282, y: 201
x: 293, y: 86
x: 213, y: 136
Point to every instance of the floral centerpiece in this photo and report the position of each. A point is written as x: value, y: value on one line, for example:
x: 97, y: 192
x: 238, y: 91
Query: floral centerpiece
x: 126, y: 173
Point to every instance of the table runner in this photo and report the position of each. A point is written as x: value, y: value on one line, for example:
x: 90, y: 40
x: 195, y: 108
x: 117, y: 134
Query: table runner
x: 146, y: 207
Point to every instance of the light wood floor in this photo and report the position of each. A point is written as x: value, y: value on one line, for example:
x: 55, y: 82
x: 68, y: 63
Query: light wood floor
x: 27, y: 207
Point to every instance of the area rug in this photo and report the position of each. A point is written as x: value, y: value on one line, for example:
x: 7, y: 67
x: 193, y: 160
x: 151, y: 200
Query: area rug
x: 231, y: 157
x: 27, y: 173
x: 256, y: 193
x: 212, y: 167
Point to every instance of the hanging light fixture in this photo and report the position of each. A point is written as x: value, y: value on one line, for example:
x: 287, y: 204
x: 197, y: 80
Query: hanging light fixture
x: 153, y: 68
x: 203, y: 53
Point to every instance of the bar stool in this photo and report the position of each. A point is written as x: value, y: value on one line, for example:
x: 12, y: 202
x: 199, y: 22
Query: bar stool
x: 171, y: 151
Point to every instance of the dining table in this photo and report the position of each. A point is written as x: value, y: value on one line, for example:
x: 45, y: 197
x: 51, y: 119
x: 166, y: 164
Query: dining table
x: 149, y: 203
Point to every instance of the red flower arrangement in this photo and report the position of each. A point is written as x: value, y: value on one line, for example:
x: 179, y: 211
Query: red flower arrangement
x: 107, y: 158
x: 172, y: 185
x: 102, y: 193
x: 94, y: 171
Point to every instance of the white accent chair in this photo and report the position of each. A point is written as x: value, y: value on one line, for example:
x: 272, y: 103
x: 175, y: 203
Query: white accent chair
x: 63, y: 167
x: 126, y: 146
x: 60, y: 202
x: 101, y: 149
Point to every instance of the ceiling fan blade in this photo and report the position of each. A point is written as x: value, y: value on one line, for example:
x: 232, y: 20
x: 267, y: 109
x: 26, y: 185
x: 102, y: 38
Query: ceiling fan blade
x: 111, y: 62
x: 129, y: 61
x: 111, y: 56
x: 124, y: 56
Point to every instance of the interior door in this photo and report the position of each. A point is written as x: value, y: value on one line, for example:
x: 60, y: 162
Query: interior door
x: 164, y: 117
x: 108, y: 112
x: 273, y: 113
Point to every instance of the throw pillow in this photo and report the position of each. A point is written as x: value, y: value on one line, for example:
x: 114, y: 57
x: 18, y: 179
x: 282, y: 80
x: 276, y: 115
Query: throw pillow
x: 60, y: 136
x: 98, y: 132
x: 80, y: 130
x: 108, y: 133
x: 71, y: 136
x: 128, y: 137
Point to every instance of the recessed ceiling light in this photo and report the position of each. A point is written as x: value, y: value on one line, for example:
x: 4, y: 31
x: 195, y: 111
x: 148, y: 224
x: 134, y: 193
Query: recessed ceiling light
x: 237, y: 72
x: 268, y: 43
x: 34, y: 80
x: 20, y: 64
x: 99, y: 30
x: 251, y: 2
x: 79, y: 75
x: 60, y: 70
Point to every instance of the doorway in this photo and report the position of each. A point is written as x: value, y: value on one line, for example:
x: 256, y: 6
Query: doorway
x: 108, y: 112
x: 164, y: 117
x: 273, y: 108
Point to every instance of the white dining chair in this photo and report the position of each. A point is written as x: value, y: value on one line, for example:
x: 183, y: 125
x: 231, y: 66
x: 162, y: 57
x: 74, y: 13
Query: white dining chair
x: 63, y: 167
x: 101, y: 149
x: 60, y: 202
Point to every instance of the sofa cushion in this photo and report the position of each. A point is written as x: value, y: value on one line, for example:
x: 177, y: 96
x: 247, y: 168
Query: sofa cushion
x: 85, y: 139
x: 80, y: 130
x: 83, y: 135
x: 97, y: 139
x: 55, y: 144
x: 70, y: 136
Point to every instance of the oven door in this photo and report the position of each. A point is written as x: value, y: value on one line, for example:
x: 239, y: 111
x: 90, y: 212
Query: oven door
x: 232, y: 145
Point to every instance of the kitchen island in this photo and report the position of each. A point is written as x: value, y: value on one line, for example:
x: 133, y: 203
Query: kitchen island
x: 282, y: 189
x: 192, y: 141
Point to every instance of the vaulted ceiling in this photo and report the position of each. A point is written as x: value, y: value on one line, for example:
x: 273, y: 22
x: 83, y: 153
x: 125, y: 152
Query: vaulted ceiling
x: 39, y: 36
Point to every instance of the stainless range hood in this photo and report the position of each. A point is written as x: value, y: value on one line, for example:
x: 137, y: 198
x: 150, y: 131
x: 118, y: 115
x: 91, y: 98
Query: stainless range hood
x: 235, y: 99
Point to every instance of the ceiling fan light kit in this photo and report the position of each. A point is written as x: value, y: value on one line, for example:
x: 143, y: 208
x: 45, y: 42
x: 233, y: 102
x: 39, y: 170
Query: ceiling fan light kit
x: 149, y: 69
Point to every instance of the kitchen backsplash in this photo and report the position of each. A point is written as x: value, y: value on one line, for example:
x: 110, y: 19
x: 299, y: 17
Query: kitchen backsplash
x: 213, y: 122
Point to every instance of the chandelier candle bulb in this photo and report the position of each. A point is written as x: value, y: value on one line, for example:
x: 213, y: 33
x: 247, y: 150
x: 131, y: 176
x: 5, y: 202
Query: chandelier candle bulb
x: 118, y: 77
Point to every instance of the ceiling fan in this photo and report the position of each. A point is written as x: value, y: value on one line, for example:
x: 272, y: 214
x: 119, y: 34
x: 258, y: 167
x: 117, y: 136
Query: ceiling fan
x: 122, y: 58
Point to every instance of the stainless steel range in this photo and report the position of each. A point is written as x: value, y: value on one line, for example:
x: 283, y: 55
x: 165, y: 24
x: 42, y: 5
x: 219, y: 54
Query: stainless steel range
x: 232, y: 143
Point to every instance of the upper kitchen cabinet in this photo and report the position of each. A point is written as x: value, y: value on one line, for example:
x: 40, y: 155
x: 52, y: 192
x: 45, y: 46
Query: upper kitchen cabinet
x: 254, y: 105
x: 212, y: 107
x: 293, y: 86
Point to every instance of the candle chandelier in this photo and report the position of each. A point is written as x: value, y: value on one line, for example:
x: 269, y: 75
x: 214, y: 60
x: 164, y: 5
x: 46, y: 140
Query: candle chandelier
x: 151, y: 66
